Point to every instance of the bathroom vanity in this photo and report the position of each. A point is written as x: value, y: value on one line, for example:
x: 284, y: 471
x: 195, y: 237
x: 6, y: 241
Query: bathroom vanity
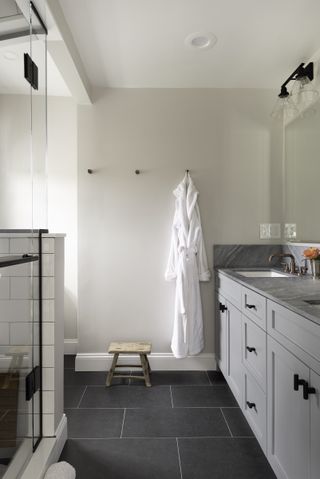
x: 268, y: 349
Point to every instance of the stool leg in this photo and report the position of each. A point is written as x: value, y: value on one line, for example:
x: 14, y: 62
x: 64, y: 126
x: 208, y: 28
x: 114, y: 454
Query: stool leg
x: 145, y: 369
x: 111, y: 370
x: 149, y: 367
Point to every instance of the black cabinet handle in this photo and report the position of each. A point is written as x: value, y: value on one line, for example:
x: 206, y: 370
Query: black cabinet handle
x: 250, y: 349
x: 222, y: 307
x: 251, y: 405
x: 251, y: 306
x: 307, y: 390
x: 298, y: 382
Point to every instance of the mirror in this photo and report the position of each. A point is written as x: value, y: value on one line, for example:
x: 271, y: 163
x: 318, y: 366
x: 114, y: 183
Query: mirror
x: 302, y: 175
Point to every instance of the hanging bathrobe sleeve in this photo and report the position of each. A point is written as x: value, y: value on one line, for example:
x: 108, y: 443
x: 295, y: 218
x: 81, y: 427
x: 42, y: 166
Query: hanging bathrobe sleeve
x: 204, y: 272
x: 171, y: 271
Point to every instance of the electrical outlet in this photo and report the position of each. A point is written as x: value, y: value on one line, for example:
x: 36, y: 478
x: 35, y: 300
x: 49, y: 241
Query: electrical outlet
x: 270, y: 231
x: 290, y: 231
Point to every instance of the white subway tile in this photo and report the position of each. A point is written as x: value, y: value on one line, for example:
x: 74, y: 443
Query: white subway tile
x: 21, y: 287
x: 17, y: 270
x: 48, y: 310
x: 20, y: 334
x: 4, y: 245
x: 15, y: 310
x: 48, y: 379
x: 48, y: 402
x: 48, y: 356
x: 48, y: 333
x: 23, y: 245
x: 4, y: 334
x: 47, y: 245
x: 47, y: 265
x: 4, y: 288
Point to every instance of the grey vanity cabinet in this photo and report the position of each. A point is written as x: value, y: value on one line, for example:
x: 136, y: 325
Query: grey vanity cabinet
x: 315, y: 426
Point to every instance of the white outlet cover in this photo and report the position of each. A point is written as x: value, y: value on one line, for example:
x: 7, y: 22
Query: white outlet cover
x: 270, y: 231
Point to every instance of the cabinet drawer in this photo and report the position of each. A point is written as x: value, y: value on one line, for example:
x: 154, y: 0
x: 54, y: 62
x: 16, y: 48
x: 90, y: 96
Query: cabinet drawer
x: 254, y: 306
x: 289, y: 328
x: 254, y: 351
x: 254, y: 408
x: 229, y: 289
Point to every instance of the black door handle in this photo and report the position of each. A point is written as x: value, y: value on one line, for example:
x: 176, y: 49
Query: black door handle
x: 251, y: 405
x: 222, y: 307
x: 307, y: 390
x: 251, y: 306
x: 298, y: 382
x: 250, y: 349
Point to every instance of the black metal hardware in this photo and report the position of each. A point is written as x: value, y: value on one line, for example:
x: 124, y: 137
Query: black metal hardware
x: 222, y: 307
x: 90, y: 171
x: 30, y: 71
x: 307, y: 390
x: 33, y: 381
x: 297, y: 382
x: 251, y: 306
x: 298, y: 74
x: 37, y: 14
x: 250, y: 349
x: 6, y: 261
x: 251, y: 405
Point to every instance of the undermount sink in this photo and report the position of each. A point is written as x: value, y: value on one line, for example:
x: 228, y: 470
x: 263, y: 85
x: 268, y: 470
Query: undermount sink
x: 267, y: 273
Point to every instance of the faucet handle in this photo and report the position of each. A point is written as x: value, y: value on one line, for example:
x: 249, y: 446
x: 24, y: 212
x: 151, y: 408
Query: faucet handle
x: 304, y: 268
x: 285, y: 267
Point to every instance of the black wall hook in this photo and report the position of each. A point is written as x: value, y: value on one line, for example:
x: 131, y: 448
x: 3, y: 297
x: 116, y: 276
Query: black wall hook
x: 90, y: 171
x: 137, y: 172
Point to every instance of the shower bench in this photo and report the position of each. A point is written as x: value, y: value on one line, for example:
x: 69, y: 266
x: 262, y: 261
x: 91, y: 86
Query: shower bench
x: 140, y: 348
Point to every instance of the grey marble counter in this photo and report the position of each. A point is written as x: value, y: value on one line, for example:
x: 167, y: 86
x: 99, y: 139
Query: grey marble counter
x: 291, y: 292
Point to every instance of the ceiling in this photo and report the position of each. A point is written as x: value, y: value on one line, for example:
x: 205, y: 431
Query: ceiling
x: 140, y: 43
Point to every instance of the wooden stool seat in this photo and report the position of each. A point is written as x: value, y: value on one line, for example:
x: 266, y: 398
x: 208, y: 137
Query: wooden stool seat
x: 142, y: 348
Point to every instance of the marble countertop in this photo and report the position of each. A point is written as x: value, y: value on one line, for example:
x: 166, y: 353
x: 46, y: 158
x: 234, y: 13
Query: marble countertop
x: 291, y: 291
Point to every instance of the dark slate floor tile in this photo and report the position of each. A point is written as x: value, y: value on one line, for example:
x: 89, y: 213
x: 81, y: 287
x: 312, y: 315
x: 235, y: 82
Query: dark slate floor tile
x: 223, y: 459
x: 69, y: 361
x: 94, y: 423
x: 176, y: 378
x: 204, y: 396
x: 126, y: 397
x: 217, y: 378
x: 123, y: 459
x: 174, y: 422
x: 72, y: 395
x: 237, y: 422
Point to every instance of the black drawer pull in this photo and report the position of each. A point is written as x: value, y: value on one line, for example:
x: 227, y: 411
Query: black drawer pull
x: 251, y: 405
x: 251, y: 306
x: 250, y: 349
x: 222, y: 307
x: 307, y: 390
x: 298, y: 382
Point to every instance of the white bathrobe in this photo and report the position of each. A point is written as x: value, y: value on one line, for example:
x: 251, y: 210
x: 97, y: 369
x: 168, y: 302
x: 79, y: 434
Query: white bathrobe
x: 187, y: 265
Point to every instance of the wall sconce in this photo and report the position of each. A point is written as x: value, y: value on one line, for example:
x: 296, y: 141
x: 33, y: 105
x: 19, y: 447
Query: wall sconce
x: 302, y: 94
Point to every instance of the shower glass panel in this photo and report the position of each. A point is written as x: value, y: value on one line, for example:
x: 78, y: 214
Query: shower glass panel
x: 23, y: 208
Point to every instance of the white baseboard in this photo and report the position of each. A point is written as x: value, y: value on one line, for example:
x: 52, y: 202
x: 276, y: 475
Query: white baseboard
x: 47, y: 453
x: 158, y: 361
x: 70, y: 346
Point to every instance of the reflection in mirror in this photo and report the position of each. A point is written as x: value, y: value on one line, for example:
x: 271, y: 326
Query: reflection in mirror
x: 302, y: 165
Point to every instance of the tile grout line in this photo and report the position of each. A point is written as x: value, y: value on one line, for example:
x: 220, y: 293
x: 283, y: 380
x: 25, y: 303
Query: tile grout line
x: 171, y: 396
x: 226, y: 422
x: 210, y: 382
x: 158, y: 407
x: 81, y: 397
x: 124, y: 417
x: 159, y: 437
x: 179, y: 458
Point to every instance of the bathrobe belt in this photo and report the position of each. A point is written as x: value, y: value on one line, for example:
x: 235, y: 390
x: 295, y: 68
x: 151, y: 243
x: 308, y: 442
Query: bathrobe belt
x: 185, y: 252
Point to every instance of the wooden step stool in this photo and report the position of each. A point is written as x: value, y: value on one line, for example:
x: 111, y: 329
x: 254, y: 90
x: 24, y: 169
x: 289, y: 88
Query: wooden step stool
x: 141, y: 348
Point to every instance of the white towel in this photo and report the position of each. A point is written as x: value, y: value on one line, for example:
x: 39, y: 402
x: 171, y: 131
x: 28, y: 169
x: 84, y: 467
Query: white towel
x: 60, y: 470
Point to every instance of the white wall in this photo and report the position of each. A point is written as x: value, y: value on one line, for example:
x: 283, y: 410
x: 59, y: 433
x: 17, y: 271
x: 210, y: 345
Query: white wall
x: 63, y: 196
x: 225, y: 138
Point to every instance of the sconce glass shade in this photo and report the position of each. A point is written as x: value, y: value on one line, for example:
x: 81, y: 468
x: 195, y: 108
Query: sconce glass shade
x: 303, y: 92
x: 284, y: 109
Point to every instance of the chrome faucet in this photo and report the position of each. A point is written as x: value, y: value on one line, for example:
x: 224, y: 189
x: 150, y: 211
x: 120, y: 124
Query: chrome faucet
x: 291, y: 268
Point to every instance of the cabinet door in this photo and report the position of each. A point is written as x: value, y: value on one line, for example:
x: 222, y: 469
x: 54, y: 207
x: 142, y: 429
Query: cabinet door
x: 288, y: 415
x: 234, y: 351
x: 315, y: 425
x: 222, y: 334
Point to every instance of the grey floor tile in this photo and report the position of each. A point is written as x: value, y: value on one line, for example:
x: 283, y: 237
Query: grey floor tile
x: 216, y: 378
x: 204, y: 396
x: 176, y: 378
x: 94, y: 423
x: 174, y: 422
x: 123, y: 459
x: 69, y: 361
x: 72, y: 395
x: 237, y: 422
x: 126, y: 397
x: 223, y: 459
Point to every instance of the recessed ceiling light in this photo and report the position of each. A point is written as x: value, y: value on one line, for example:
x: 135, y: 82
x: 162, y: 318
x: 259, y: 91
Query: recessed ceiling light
x: 201, y: 40
x: 8, y: 55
